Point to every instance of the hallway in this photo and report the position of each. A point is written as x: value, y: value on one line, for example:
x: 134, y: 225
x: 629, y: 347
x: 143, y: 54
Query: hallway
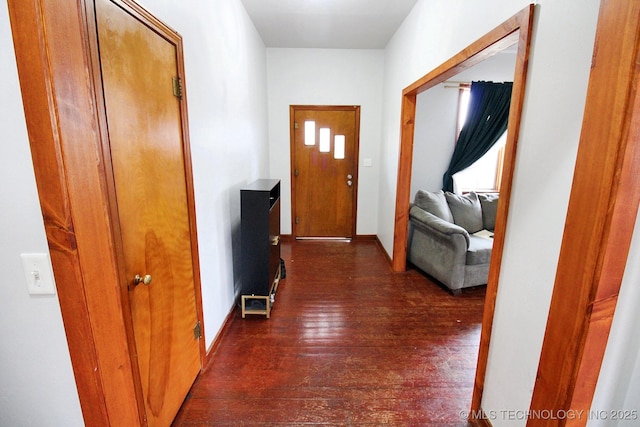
x: 348, y: 343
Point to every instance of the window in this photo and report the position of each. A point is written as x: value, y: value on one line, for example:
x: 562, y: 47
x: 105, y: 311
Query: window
x: 484, y: 175
x: 463, y: 107
x: 339, y: 147
x: 309, y: 132
x: 325, y: 140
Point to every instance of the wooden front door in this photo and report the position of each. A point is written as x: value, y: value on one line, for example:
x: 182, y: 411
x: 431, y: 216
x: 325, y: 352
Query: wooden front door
x: 150, y: 169
x: 324, y: 165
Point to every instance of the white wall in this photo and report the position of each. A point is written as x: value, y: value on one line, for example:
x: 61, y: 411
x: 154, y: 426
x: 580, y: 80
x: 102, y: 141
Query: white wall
x: 437, y: 117
x: 557, y: 81
x: 434, y: 137
x: 225, y: 62
x: 327, y: 77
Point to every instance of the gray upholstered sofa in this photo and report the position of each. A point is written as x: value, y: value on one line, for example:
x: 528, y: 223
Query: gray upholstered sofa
x: 451, y: 236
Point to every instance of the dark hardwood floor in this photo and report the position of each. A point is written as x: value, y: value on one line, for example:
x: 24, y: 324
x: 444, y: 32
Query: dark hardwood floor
x: 349, y: 343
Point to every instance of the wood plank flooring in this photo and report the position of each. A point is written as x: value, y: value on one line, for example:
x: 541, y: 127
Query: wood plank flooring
x: 349, y: 343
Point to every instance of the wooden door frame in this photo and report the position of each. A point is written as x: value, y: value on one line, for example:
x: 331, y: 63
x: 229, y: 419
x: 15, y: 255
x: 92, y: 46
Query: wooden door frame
x: 517, y: 29
x: 292, y: 111
x: 55, y: 45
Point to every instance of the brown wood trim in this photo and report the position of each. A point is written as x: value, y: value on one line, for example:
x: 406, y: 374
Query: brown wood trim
x: 494, y: 41
x: 356, y: 174
x: 363, y: 237
x: 516, y: 29
x: 191, y: 204
x: 292, y: 177
x: 286, y: 238
x: 479, y: 421
x: 517, y: 102
x: 600, y: 220
x: 403, y: 193
x: 383, y: 251
x: 50, y: 43
x: 215, y: 344
x: 94, y: 70
x: 325, y: 107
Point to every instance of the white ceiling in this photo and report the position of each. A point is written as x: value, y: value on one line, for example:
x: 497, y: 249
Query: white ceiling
x: 330, y: 24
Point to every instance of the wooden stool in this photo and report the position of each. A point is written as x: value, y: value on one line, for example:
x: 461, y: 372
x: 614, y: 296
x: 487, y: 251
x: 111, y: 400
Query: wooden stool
x: 252, y: 310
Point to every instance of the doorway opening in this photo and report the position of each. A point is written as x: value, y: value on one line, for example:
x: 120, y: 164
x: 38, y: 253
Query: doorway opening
x: 515, y: 31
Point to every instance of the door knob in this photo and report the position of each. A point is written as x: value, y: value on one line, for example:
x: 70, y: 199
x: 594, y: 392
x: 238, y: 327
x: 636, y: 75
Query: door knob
x: 146, y: 279
x: 349, y: 176
x: 349, y: 183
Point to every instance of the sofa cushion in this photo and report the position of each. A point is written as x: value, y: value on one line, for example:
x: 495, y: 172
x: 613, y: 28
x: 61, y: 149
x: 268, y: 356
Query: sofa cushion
x: 434, y: 203
x: 489, y: 203
x: 479, y: 251
x: 466, y: 211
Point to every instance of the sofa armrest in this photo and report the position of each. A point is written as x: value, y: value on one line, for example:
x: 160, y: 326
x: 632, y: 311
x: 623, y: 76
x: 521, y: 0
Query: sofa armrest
x: 437, y: 247
x: 423, y: 219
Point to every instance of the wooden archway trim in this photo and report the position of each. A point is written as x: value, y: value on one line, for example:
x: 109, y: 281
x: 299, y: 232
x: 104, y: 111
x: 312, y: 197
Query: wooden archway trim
x: 516, y: 29
x: 600, y: 221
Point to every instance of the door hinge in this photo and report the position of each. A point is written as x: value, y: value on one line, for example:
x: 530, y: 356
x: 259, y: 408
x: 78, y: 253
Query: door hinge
x: 296, y: 172
x: 197, y: 330
x: 297, y: 220
x: 177, y: 87
x: 295, y: 125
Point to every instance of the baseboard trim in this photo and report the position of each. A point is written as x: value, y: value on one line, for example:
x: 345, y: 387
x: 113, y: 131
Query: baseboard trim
x: 211, y: 351
x: 384, y: 252
x: 286, y: 238
x: 366, y: 237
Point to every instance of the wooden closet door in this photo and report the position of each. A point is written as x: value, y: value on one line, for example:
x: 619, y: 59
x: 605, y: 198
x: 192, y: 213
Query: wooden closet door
x: 146, y: 145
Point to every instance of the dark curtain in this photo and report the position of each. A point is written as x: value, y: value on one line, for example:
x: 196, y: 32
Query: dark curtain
x: 487, y: 120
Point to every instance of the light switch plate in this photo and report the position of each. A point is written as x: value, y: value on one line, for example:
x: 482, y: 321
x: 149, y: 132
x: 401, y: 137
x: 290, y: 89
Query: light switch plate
x: 37, y: 271
x: 367, y: 162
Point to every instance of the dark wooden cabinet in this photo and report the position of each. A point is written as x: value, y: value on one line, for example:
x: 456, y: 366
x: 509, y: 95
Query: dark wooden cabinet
x: 260, y: 245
